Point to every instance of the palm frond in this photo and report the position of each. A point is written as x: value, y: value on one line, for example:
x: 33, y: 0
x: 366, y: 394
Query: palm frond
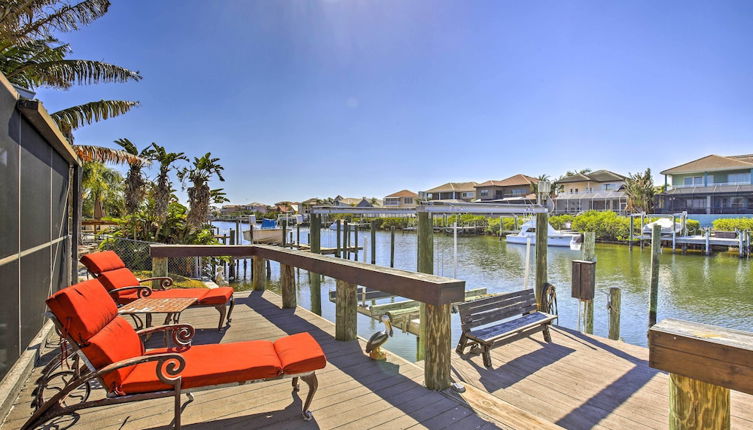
x: 77, y: 116
x: 65, y: 73
x: 101, y: 154
x: 22, y: 20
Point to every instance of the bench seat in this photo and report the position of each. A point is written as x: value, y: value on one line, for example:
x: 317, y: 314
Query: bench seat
x: 503, y: 329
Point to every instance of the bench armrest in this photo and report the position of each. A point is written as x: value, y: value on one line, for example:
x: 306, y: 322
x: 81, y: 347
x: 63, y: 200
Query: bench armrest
x: 142, y: 291
x: 166, y: 281
x: 182, y: 334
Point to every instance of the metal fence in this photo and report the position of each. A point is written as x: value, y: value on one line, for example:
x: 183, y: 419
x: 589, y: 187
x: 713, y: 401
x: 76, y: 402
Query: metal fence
x: 135, y: 255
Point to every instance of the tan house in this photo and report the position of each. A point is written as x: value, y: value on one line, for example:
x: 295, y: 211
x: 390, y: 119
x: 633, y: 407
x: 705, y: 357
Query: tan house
x: 452, y: 191
x: 401, y: 199
x: 515, y: 189
x: 601, y: 190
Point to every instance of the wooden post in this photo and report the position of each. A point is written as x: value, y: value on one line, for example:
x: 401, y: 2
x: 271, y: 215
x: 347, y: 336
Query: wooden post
x: 654, y: 286
x: 425, y: 264
x: 392, y: 246
x: 231, y: 274
x: 287, y: 286
x: 642, y: 224
x: 615, y: 301
x: 708, y: 241
x: 373, y: 241
x: 298, y: 234
x: 257, y: 276
x: 436, y: 320
x: 542, y: 242
x: 695, y: 404
x: 284, y: 232
x: 630, y: 239
x: 674, y: 234
x: 589, y: 254
x: 337, y: 247
x: 315, y: 281
x: 346, y: 240
x: 159, y: 268
x: 355, y: 240
x: 345, y: 311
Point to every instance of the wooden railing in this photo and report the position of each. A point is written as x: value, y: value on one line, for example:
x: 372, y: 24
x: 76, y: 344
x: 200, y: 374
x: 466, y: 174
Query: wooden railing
x: 435, y: 293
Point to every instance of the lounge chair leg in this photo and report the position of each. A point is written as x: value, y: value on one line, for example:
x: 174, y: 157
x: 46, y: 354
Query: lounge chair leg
x: 221, y: 309
x: 230, y: 311
x: 177, y: 407
x: 313, y: 384
x: 296, y: 385
x: 547, y: 335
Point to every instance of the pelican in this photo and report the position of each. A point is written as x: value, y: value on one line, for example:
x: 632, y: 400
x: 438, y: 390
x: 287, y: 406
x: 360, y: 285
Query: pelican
x: 378, y: 339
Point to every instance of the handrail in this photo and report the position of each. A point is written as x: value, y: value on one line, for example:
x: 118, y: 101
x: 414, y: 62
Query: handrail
x: 429, y: 289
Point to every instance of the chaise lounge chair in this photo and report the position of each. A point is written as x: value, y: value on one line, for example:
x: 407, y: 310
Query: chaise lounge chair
x: 114, y: 355
x: 125, y: 287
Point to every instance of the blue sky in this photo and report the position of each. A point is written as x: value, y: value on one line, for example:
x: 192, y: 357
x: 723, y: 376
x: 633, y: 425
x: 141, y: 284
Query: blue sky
x: 367, y: 97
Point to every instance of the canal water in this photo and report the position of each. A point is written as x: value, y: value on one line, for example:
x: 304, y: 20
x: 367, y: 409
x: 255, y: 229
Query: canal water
x: 715, y: 290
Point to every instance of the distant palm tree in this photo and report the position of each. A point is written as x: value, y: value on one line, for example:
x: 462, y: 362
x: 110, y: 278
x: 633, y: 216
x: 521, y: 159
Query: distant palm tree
x: 199, y: 194
x: 135, y: 183
x: 102, y: 185
x: 640, y: 191
x: 162, y: 190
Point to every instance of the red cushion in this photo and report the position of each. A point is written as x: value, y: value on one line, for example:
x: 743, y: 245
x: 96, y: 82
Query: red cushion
x: 217, y: 296
x: 118, y: 278
x: 115, y: 342
x: 300, y: 353
x: 83, y: 309
x: 98, y: 262
x: 210, y: 365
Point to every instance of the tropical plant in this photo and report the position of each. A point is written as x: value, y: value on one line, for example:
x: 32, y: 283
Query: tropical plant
x: 103, y: 187
x: 218, y: 196
x: 640, y: 191
x: 135, y: 183
x: 199, y: 194
x: 162, y: 190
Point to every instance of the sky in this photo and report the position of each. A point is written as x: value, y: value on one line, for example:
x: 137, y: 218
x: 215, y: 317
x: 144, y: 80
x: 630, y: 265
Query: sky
x: 368, y: 97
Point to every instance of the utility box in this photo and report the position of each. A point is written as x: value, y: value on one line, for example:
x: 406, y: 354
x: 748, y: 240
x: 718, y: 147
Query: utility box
x: 584, y: 279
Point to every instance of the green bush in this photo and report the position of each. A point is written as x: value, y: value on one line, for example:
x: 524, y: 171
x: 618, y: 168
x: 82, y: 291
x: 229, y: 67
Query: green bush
x: 607, y: 225
x: 732, y: 224
x: 560, y: 222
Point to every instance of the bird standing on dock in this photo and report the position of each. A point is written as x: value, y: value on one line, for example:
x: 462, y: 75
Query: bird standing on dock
x: 378, y: 339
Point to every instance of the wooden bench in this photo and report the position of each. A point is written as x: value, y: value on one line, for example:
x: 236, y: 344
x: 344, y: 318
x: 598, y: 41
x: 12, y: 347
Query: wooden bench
x: 495, y: 315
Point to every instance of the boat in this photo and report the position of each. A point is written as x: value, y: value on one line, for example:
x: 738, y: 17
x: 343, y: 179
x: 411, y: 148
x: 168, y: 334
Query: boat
x: 268, y: 232
x: 555, y: 237
x: 666, y: 226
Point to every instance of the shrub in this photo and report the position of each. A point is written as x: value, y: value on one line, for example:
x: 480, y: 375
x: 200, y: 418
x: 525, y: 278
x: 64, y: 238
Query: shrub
x: 732, y: 224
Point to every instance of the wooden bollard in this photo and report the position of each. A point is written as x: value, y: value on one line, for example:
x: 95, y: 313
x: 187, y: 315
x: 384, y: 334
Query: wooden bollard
x: 373, y: 241
x: 392, y: 246
x: 589, y: 254
x: 287, y: 286
x: 615, y: 301
x: 346, y: 240
x: 315, y: 285
x: 695, y: 404
x: 232, y: 272
x: 346, y: 311
x: 653, y: 297
x: 338, y: 239
x: 257, y: 277
x: 542, y: 242
x: 425, y: 264
x: 438, y: 350
x: 355, y: 240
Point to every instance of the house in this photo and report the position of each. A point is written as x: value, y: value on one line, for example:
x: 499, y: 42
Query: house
x: 369, y: 203
x: 713, y: 184
x: 244, y: 209
x: 515, y: 189
x: 401, y: 199
x: 346, y: 201
x: 602, y: 190
x: 459, y: 191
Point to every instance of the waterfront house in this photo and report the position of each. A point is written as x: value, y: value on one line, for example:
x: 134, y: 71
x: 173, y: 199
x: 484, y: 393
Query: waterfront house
x: 515, y: 189
x: 244, y: 209
x: 602, y: 190
x: 369, y: 203
x: 452, y: 191
x: 713, y: 184
x: 346, y: 201
x: 401, y: 199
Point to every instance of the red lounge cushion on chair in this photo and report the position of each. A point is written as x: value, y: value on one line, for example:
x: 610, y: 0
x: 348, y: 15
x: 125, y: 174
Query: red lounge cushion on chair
x: 118, y: 278
x: 98, y: 262
x: 300, y: 353
x: 217, y: 296
x: 210, y: 365
x: 115, y: 342
x: 83, y: 309
x: 174, y: 293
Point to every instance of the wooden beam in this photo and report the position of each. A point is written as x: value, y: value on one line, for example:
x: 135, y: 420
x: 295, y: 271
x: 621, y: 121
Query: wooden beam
x: 346, y: 311
x: 287, y: 286
x: 258, y: 278
x: 542, y: 243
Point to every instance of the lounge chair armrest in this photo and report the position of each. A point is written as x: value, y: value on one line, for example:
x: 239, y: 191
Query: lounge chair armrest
x: 165, y: 281
x: 141, y: 290
x: 169, y: 367
x: 181, y: 333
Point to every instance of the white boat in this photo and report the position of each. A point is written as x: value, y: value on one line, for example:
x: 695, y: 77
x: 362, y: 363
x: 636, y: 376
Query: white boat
x: 666, y: 226
x: 268, y: 232
x: 555, y: 237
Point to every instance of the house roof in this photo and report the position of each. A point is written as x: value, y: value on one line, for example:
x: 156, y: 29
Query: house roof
x: 453, y: 186
x: 512, y: 181
x: 711, y: 163
x: 403, y: 193
x: 597, y: 176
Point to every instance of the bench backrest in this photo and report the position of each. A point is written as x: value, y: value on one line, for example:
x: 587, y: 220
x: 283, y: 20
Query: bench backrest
x: 495, y: 308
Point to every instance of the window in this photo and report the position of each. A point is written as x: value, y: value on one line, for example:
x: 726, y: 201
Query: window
x: 739, y: 178
x: 693, y: 180
x: 608, y: 187
x: 484, y: 193
x: 518, y: 191
x: 468, y: 194
x: 408, y: 200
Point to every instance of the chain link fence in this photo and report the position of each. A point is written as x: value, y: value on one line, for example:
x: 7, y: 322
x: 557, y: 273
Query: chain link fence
x: 135, y: 254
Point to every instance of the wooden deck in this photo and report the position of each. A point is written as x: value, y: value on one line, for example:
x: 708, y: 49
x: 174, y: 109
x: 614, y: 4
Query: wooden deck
x: 580, y: 382
x: 354, y: 392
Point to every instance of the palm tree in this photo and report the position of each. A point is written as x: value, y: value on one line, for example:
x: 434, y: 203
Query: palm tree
x: 162, y: 190
x: 199, y: 194
x: 640, y: 191
x: 102, y: 185
x: 135, y: 183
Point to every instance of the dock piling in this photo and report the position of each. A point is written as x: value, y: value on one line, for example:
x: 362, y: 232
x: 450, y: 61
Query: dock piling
x: 373, y: 241
x: 315, y: 243
x: 589, y: 254
x: 654, y: 286
x: 392, y: 246
x: 615, y: 302
x: 542, y: 242
x: 338, y: 238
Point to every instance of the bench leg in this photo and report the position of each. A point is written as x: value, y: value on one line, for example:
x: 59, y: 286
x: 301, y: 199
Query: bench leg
x: 547, y: 335
x: 461, y: 344
x: 487, y: 356
x: 313, y: 384
x: 222, y: 310
x: 178, y: 411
